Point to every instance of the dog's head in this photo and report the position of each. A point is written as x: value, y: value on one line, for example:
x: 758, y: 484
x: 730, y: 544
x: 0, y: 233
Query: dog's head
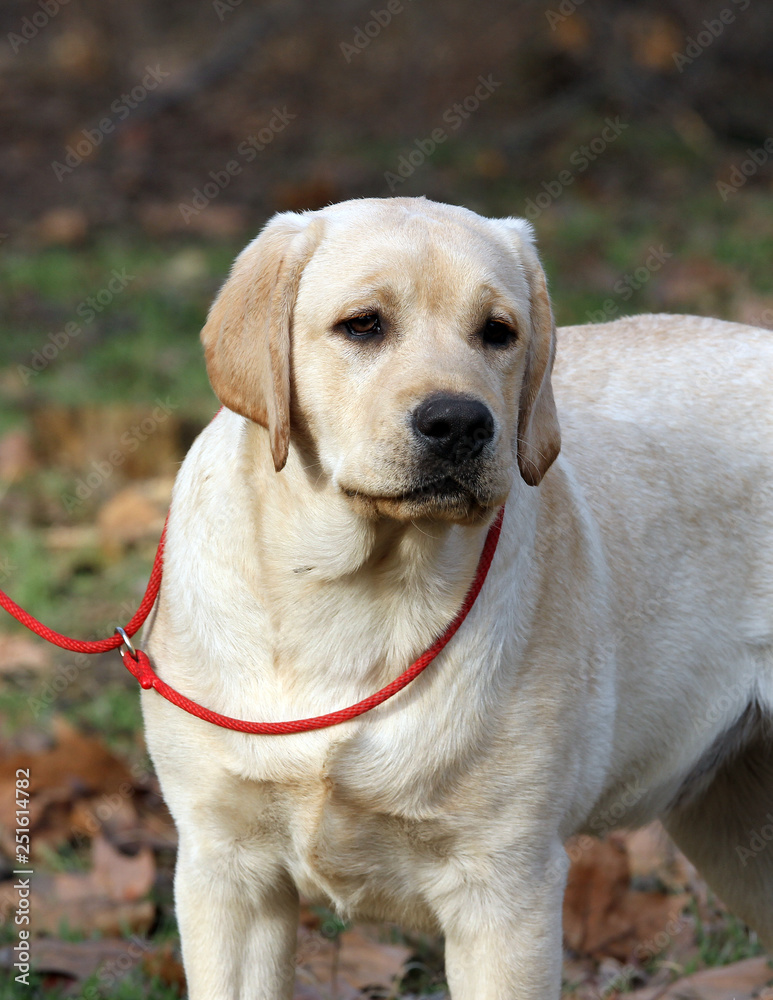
x: 409, y: 344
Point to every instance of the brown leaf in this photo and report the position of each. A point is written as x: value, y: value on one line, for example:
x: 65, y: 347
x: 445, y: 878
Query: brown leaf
x: 106, y: 899
x: 354, y: 963
x: 654, y: 40
x: 62, y: 227
x: 48, y: 914
x: 17, y: 652
x: 16, y: 455
x: 131, y: 516
x: 652, y: 853
x: 81, y: 959
x: 596, y: 887
x: 71, y: 538
x: 117, y: 821
x: 99, y: 442
x: 751, y: 979
x: 165, y: 964
x: 571, y: 34
x: 76, y: 767
x: 120, y: 876
x: 603, y: 917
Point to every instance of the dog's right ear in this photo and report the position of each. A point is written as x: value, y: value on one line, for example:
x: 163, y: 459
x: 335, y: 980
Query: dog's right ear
x: 247, y: 334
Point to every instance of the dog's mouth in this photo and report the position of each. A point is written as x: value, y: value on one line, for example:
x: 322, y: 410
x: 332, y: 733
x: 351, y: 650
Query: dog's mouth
x: 444, y: 490
x: 444, y: 497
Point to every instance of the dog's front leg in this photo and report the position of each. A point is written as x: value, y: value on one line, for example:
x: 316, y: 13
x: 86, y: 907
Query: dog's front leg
x: 238, y: 929
x: 504, y: 941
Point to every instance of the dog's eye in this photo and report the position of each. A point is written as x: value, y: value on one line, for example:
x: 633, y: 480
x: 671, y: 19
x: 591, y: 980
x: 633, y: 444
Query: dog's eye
x: 363, y: 326
x: 498, y: 334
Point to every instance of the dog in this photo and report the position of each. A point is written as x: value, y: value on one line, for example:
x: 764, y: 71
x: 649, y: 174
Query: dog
x: 386, y: 369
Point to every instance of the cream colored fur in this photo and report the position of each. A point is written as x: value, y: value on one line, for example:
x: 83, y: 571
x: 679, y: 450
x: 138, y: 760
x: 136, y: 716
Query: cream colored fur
x: 617, y: 662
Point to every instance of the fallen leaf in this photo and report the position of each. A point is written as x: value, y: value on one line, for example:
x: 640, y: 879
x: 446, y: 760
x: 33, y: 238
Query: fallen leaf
x: 604, y: 917
x: 122, y: 877
x: 71, y: 538
x: 165, y: 964
x: 596, y: 887
x: 107, y: 899
x: 571, y: 34
x: 652, y: 854
x: 62, y: 227
x: 80, y: 959
x: 76, y: 767
x: 98, y: 442
x: 16, y: 455
x: 19, y: 653
x: 351, y: 964
x: 653, y: 39
x: 751, y: 979
x: 129, y: 517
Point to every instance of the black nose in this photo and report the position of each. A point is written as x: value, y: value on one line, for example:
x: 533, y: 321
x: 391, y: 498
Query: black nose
x: 453, y: 427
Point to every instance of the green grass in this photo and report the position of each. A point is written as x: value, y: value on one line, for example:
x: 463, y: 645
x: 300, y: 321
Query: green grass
x: 136, y: 985
x: 726, y: 941
x: 140, y: 345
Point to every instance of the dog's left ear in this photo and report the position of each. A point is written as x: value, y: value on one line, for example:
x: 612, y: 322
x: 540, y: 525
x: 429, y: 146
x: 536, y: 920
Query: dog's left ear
x: 247, y: 334
x: 539, y: 436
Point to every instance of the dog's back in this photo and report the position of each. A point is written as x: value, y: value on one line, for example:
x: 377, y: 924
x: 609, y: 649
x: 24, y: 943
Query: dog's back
x: 668, y: 425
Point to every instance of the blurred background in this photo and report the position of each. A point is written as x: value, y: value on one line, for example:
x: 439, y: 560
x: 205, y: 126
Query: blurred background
x: 143, y: 144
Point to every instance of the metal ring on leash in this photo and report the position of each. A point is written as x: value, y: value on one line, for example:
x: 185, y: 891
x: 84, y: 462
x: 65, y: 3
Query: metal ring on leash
x: 127, y: 642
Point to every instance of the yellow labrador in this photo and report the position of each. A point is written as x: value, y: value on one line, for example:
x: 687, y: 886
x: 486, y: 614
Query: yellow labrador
x: 385, y: 367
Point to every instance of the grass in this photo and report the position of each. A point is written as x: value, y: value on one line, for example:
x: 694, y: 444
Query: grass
x: 135, y: 344
x: 135, y: 985
x: 724, y: 941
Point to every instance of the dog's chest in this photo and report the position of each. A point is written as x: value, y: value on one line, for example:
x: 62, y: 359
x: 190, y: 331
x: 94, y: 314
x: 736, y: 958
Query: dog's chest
x: 358, y: 843
x: 369, y: 863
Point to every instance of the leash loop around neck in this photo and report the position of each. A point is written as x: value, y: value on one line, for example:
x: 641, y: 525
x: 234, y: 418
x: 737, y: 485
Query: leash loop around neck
x: 137, y: 663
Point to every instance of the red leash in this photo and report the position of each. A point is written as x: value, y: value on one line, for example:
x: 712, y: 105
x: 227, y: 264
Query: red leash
x: 101, y: 645
x: 138, y: 664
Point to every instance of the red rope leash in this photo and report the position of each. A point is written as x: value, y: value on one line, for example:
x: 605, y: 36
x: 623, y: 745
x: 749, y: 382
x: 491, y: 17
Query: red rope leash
x: 139, y: 664
x: 101, y: 645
